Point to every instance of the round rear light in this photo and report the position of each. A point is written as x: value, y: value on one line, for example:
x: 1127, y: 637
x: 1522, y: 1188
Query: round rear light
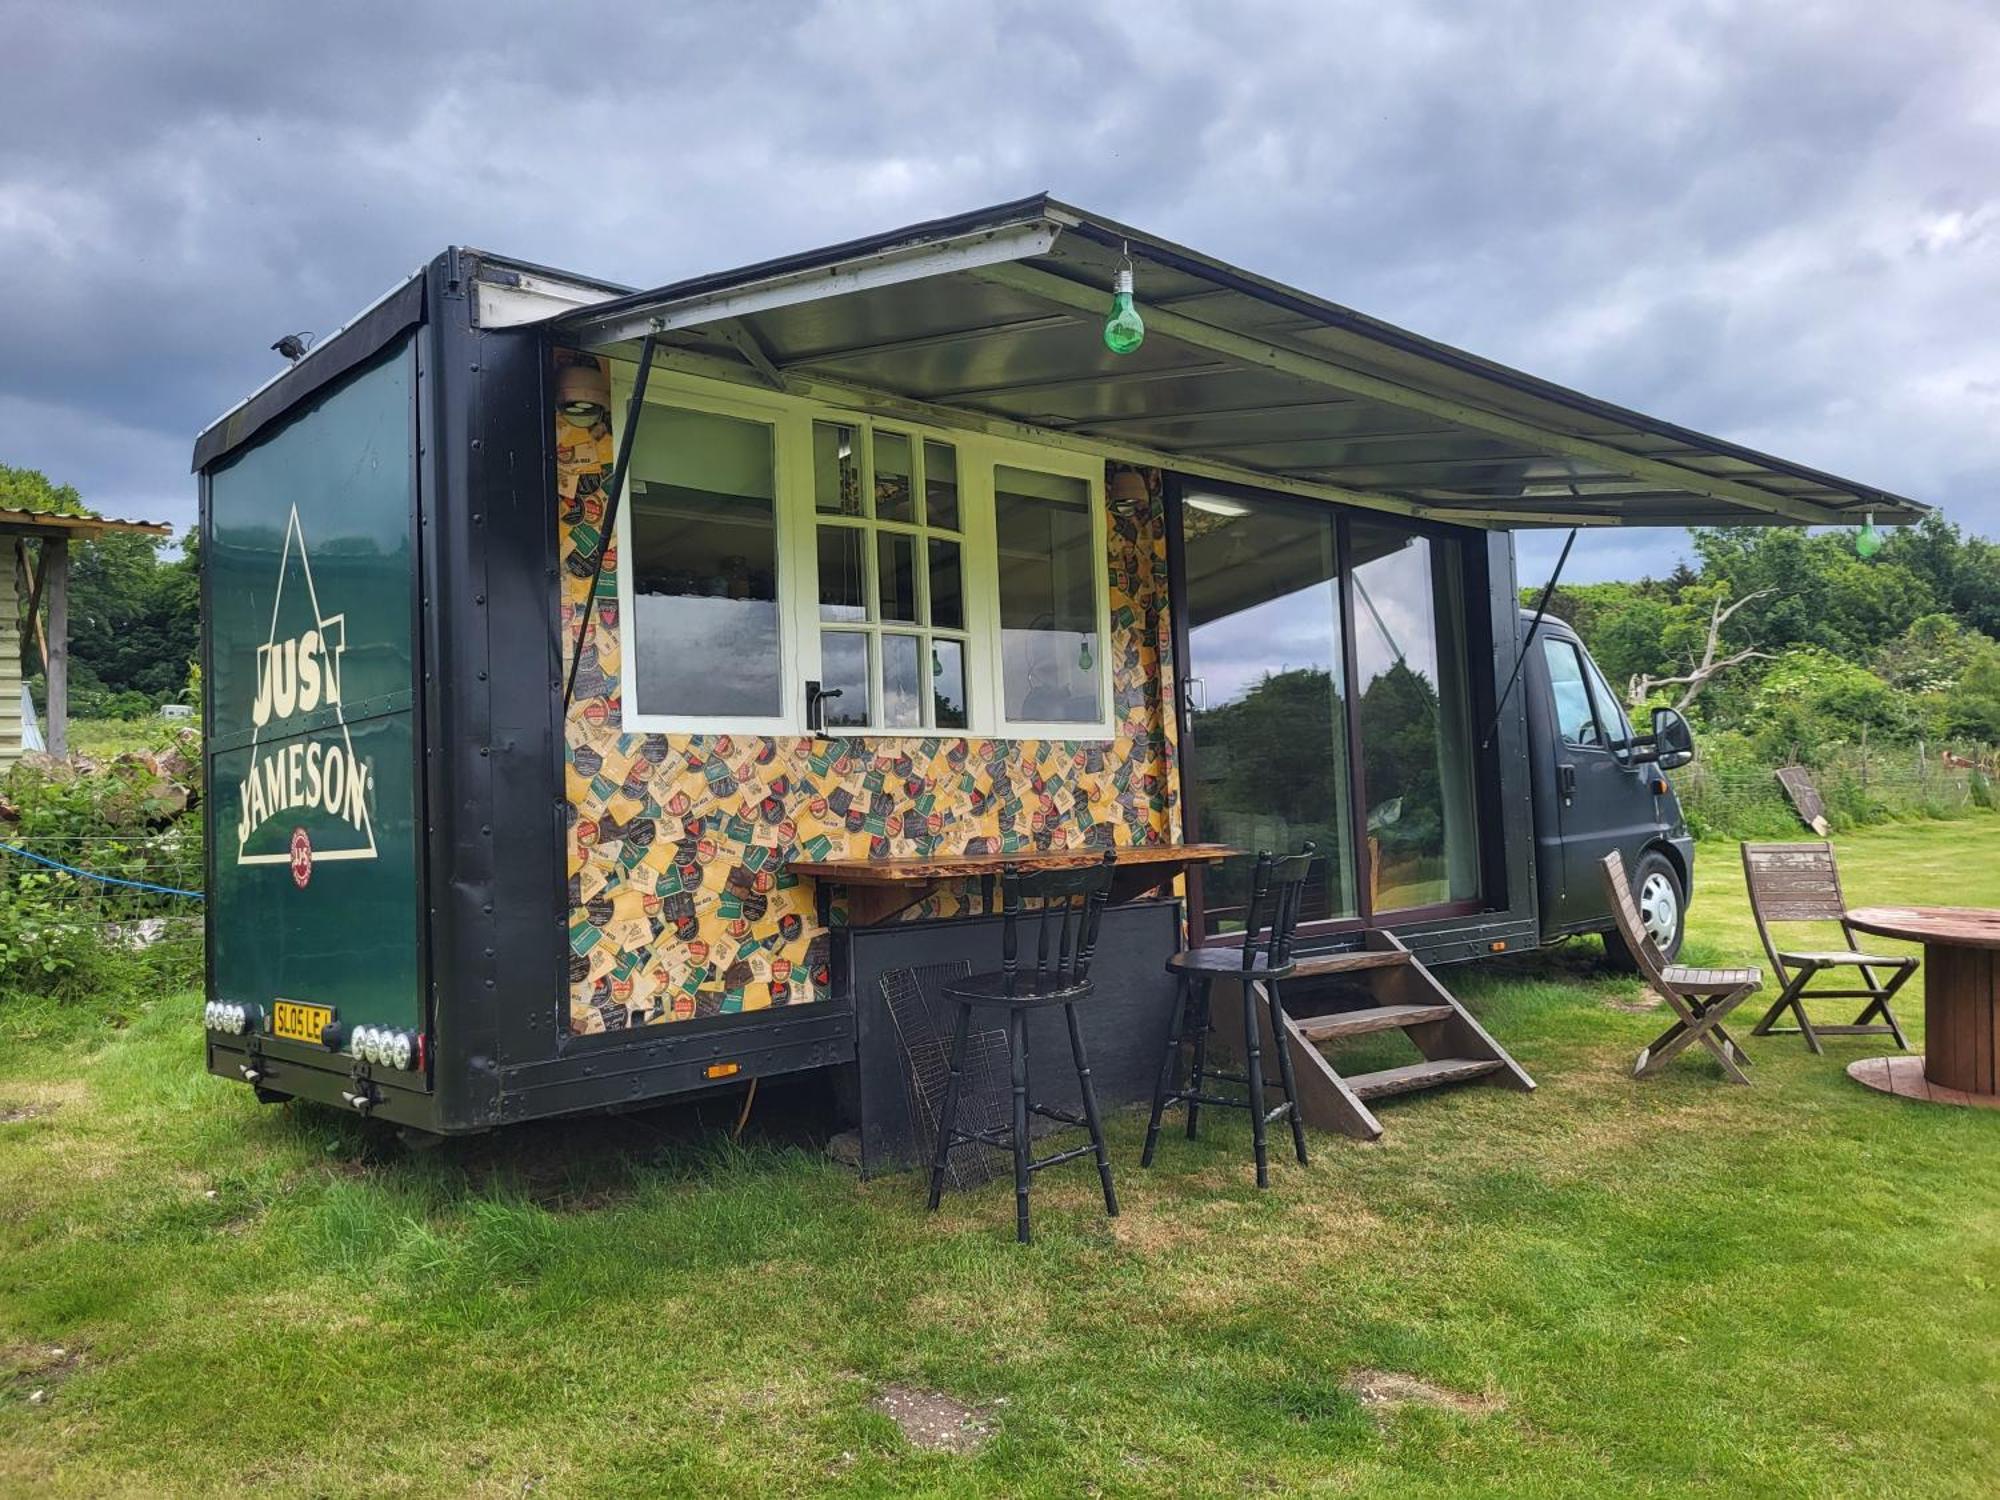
x: 400, y: 1050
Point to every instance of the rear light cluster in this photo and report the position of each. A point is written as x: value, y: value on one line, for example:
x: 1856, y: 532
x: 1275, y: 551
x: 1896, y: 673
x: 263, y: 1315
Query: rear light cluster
x: 384, y: 1047
x: 234, y: 1019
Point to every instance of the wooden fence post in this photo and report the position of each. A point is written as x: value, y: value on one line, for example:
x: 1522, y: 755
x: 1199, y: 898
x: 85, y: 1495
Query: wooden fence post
x: 55, y: 585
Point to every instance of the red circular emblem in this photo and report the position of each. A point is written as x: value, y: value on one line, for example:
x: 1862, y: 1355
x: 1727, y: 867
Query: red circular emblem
x: 302, y: 858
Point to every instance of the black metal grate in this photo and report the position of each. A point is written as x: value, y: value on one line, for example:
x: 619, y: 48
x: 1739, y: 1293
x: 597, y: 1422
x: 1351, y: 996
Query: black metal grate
x: 914, y: 1005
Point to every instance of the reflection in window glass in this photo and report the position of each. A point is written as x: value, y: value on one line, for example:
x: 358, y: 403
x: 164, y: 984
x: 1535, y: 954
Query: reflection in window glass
x: 843, y: 583
x: 703, y: 545
x: 895, y: 500
x: 1414, y: 715
x: 947, y: 589
x: 941, y: 485
x: 837, y: 468
x: 1051, y: 657
x: 1574, y: 720
x: 1269, y: 717
x: 896, y: 570
x: 843, y: 669
x: 1610, y: 707
x: 902, y: 682
x: 948, y: 683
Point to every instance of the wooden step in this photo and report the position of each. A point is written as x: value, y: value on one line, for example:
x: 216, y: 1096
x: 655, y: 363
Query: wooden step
x: 1349, y: 963
x: 1423, y: 1075
x: 1373, y: 1018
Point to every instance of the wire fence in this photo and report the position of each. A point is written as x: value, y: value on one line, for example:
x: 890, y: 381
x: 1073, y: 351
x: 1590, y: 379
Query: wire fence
x: 136, y: 889
x: 1859, y: 787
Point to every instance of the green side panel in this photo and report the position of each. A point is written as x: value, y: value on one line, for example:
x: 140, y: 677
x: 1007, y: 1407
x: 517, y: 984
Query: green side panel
x: 312, y: 753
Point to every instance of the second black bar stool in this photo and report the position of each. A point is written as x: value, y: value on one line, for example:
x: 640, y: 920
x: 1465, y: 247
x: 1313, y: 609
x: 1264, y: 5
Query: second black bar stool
x: 1071, y: 903
x: 1264, y: 961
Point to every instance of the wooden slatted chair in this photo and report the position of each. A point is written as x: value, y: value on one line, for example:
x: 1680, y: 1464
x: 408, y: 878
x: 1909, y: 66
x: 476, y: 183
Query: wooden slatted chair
x: 1700, y: 998
x: 1801, y: 883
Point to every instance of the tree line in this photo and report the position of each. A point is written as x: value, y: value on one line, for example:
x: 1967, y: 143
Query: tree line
x: 1826, y: 648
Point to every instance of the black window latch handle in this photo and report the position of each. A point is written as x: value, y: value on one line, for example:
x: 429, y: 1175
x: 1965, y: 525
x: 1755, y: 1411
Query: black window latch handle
x: 816, y: 706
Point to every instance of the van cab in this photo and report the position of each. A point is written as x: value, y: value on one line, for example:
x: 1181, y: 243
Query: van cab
x: 1598, y: 785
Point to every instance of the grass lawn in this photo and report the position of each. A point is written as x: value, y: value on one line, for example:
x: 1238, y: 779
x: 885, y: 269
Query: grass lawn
x: 1626, y: 1288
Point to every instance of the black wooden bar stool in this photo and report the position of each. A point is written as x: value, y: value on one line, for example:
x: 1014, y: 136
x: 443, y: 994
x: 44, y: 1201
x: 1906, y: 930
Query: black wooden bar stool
x: 1071, y: 903
x: 1276, y: 890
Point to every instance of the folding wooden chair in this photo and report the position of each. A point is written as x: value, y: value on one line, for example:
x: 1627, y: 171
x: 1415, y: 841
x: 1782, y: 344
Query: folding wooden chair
x: 1700, y: 997
x: 1801, y: 883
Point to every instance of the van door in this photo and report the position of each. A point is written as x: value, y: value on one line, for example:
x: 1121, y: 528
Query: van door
x: 1601, y: 803
x: 311, y: 578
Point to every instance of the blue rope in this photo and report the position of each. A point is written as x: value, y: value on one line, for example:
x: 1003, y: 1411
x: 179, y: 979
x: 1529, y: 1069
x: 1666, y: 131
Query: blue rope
x: 135, y: 885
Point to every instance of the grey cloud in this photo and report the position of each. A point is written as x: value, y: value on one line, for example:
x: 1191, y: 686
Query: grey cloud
x: 1774, y: 223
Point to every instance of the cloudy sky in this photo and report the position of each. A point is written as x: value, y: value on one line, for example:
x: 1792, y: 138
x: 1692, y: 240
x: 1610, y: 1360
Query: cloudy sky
x: 1777, y: 222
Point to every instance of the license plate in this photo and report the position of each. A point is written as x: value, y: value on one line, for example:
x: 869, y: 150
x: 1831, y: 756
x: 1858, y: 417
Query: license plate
x: 299, y: 1023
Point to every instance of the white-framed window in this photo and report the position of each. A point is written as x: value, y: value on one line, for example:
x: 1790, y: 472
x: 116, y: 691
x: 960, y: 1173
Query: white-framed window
x: 939, y: 581
x: 889, y: 543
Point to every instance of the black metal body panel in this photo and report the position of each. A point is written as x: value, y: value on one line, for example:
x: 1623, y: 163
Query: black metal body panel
x: 1124, y: 1022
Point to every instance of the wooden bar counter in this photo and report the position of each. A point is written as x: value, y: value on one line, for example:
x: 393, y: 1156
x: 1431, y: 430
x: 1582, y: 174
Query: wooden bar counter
x: 878, y: 889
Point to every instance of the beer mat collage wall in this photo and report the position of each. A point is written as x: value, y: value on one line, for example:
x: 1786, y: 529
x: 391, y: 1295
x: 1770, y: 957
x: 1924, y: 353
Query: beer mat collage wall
x: 682, y: 903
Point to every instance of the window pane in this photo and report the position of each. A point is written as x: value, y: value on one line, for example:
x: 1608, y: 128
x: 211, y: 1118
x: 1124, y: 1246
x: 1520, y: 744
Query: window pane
x: 843, y: 583
x: 837, y: 468
x: 843, y: 669
x: 1413, y: 711
x: 1610, y: 707
x: 704, y: 566
x: 896, y: 572
x: 948, y: 684
x: 894, y: 498
x: 1268, y: 753
x: 902, y: 682
x: 947, y: 590
x: 941, y: 485
x: 1574, y: 720
x: 1050, y: 654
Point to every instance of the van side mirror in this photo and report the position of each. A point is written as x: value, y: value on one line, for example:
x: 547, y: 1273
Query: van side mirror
x: 1673, y: 741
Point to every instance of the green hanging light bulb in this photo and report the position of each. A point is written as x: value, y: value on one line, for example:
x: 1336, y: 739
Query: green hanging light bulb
x: 937, y: 663
x: 1867, y: 541
x: 1083, y: 654
x: 1124, y: 330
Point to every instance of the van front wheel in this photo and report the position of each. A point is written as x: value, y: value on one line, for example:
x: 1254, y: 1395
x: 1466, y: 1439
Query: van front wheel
x: 1656, y: 889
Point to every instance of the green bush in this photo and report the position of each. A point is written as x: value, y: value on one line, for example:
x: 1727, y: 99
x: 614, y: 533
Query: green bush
x: 69, y: 937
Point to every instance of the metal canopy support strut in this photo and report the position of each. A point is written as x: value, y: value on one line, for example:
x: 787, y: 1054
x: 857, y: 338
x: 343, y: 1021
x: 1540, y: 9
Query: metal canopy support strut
x: 1528, y: 640
x: 625, y: 440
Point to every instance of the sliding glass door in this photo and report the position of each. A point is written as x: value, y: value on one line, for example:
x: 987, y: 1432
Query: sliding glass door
x: 1413, y: 717
x: 1265, y: 694
x: 1326, y: 698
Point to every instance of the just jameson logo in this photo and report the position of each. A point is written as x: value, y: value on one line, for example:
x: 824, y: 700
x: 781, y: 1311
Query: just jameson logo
x: 299, y: 674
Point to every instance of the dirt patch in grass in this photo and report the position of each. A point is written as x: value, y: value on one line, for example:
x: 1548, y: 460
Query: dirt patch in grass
x: 1383, y: 1391
x: 20, y: 1114
x: 33, y: 1372
x: 933, y: 1421
x: 1640, y: 1004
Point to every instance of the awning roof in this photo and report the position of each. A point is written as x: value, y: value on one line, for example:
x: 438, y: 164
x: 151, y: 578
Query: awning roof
x: 992, y: 318
x: 44, y: 524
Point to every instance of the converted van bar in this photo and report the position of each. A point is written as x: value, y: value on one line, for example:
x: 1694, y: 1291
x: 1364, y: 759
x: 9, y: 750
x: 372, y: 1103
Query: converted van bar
x: 530, y: 790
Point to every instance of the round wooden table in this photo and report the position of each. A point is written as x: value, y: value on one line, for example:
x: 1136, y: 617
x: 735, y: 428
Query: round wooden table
x: 1961, y: 999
